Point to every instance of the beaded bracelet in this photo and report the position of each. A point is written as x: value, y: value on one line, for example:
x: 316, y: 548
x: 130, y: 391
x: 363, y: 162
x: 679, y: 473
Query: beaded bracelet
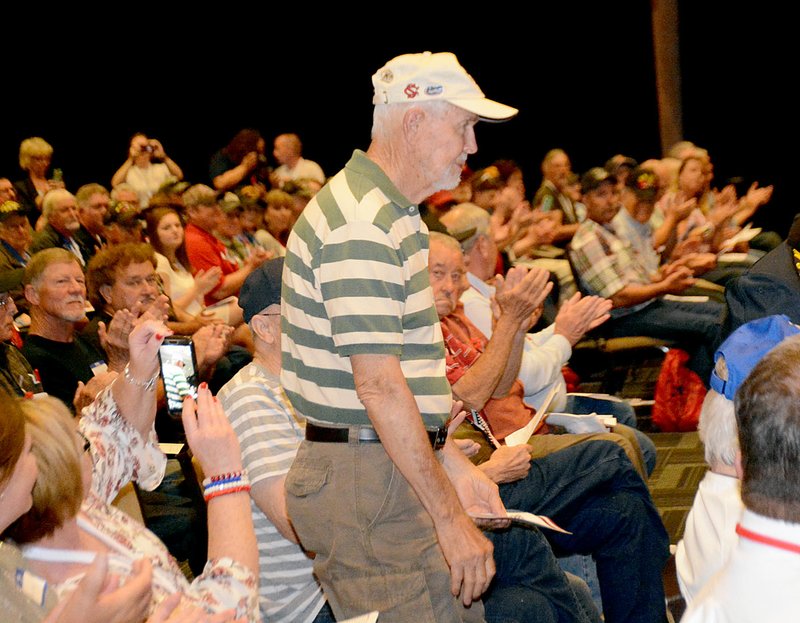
x: 228, y: 477
x: 224, y: 491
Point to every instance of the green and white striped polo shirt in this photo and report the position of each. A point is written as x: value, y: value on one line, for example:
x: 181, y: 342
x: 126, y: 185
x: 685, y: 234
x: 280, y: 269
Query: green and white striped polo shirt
x: 355, y: 281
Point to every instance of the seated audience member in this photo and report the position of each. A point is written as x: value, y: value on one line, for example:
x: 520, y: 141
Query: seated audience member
x: 770, y: 286
x: 93, y: 204
x: 546, y: 352
x: 550, y: 197
x: 127, y: 194
x: 147, y: 168
x: 35, y: 158
x: 240, y: 163
x: 606, y: 266
x: 72, y: 510
x: 632, y: 225
x: 7, y: 190
x: 17, y: 377
x: 205, y: 250
x: 483, y: 372
x: 15, y: 242
x: 123, y: 278
x: 716, y: 217
x: 229, y: 229
x: 186, y: 291
x: 301, y: 191
x: 288, y: 152
x: 492, y: 393
x: 60, y: 211
x: 760, y: 579
x: 56, y: 291
x: 620, y: 166
x: 527, y: 582
x: 710, y: 532
x: 94, y: 600
x: 253, y: 227
x: 279, y: 215
x: 122, y: 224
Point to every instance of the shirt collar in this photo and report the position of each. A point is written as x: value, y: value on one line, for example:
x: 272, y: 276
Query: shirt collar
x: 362, y: 165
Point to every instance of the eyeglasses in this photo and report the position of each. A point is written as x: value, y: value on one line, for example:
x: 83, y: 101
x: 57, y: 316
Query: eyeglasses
x: 86, y: 443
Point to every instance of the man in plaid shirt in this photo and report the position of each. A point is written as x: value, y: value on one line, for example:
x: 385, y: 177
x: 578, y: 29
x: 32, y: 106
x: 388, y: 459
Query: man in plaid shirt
x: 606, y: 265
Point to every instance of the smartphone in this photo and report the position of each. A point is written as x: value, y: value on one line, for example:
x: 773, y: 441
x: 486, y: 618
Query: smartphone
x: 178, y: 362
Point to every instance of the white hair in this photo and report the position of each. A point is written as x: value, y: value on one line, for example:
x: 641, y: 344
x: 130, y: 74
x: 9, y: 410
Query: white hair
x: 386, y: 115
x: 717, y: 429
x: 51, y: 198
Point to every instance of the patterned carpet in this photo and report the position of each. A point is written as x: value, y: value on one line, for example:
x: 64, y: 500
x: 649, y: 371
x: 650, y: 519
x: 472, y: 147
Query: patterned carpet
x: 679, y: 469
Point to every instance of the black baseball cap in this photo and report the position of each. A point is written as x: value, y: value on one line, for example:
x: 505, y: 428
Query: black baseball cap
x: 262, y: 288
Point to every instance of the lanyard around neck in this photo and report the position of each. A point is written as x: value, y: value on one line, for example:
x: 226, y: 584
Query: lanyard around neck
x: 767, y: 540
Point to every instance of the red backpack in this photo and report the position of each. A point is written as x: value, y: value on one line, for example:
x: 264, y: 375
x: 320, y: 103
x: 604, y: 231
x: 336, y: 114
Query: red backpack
x: 678, y: 396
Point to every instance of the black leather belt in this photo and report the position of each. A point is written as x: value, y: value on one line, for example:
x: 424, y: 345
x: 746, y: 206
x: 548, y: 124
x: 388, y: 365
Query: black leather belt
x: 366, y: 434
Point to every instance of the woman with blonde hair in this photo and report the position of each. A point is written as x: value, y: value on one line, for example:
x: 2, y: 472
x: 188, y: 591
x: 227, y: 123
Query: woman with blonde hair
x: 82, y: 467
x: 35, y: 158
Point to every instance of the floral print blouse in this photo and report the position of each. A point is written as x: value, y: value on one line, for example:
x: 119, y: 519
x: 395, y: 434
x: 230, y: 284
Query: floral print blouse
x: 119, y: 455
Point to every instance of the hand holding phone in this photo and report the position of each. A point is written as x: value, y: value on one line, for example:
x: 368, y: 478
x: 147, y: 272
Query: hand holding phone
x: 179, y: 371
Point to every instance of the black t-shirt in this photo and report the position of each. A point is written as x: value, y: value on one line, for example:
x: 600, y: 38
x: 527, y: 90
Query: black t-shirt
x: 62, y: 364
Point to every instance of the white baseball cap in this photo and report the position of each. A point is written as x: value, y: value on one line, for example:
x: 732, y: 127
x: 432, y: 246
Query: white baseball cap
x: 430, y: 77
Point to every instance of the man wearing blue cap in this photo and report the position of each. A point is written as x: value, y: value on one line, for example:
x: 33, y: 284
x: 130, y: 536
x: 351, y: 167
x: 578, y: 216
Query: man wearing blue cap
x: 709, y: 548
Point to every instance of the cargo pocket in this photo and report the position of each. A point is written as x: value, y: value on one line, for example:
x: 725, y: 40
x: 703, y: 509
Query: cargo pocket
x: 305, y: 492
x: 307, y: 477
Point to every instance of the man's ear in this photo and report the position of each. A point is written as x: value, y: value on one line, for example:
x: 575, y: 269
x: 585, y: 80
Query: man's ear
x: 31, y: 294
x: 105, y: 292
x: 413, y: 120
x: 737, y: 464
x: 259, y: 325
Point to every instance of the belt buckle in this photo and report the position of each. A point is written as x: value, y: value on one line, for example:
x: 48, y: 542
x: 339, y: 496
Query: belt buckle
x: 441, y: 437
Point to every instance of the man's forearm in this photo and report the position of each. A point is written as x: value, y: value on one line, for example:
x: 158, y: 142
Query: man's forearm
x: 391, y: 408
x: 494, y: 371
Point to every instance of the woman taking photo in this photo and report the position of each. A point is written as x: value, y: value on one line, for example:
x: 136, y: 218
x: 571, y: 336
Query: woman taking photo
x: 79, y: 469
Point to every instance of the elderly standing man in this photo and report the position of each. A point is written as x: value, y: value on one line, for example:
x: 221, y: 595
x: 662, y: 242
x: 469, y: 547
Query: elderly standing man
x: 363, y: 361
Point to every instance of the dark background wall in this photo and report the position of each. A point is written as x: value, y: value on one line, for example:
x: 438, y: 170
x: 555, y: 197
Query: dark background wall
x: 581, y: 73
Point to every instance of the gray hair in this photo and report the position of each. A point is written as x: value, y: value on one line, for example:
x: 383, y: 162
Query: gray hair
x: 717, y: 429
x: 51, y: 198
x: 465, y: 216
x: 385, y: 116
x: 446, y: 240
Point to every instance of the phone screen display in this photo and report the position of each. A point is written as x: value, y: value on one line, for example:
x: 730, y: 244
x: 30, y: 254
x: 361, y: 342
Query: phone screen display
x: 179, y: 371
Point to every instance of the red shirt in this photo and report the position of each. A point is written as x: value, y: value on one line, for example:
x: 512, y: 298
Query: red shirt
x: 464, y: 343
x: 205, y: 251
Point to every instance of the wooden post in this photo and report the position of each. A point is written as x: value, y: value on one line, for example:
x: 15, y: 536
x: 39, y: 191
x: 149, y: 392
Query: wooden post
x: 668, y: 71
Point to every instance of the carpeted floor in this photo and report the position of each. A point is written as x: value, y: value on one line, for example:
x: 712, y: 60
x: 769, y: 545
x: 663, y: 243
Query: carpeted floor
x: 679, y: 469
